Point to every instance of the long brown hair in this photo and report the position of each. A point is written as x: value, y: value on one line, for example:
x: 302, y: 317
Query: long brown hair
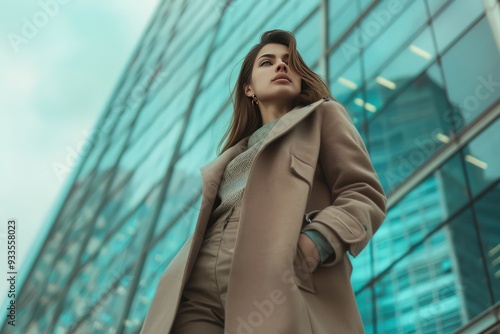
x: 247, y: 118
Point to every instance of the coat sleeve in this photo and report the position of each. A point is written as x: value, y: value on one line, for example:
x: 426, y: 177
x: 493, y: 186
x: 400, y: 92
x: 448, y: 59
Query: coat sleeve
x: 359, y: 201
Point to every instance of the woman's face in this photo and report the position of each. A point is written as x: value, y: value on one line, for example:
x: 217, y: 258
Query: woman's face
x: 272, y: 60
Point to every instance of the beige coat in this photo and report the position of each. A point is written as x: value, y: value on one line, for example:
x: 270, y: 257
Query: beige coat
x: 313, y: 162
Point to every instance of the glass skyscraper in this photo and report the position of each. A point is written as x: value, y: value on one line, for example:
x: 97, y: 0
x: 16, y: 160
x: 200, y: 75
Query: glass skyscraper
x: 421, y: 81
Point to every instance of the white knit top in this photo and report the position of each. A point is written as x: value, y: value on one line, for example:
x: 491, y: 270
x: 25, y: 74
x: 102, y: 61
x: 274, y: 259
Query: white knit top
x: 235, y: 175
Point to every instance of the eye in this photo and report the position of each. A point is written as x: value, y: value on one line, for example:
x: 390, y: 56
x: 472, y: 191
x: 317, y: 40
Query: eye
x: 265, y: 61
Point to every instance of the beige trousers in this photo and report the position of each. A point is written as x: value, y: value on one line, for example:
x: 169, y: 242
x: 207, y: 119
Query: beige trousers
x: 203, y: 300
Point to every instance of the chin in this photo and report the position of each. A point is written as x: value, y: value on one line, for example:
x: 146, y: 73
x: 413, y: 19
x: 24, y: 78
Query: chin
x: 286, y: 92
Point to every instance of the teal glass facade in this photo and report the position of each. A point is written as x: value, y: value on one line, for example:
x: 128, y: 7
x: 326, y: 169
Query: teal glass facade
x: 421, y: 81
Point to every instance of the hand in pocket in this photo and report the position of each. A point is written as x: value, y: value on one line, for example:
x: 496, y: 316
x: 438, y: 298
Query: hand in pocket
x: 309, y: 252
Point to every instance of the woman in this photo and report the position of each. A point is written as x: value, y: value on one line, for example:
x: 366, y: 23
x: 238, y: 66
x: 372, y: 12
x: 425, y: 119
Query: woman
x: 292, y: 191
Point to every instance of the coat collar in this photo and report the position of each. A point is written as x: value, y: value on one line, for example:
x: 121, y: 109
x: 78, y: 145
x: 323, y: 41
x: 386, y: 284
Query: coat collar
x: 212, y: 172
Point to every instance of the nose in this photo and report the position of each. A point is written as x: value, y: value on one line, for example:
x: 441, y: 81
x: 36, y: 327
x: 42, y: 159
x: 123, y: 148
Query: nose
x: 282, y: 66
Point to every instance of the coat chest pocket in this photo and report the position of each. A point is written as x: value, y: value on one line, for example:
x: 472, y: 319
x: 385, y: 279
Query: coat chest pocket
x: 301, y: 169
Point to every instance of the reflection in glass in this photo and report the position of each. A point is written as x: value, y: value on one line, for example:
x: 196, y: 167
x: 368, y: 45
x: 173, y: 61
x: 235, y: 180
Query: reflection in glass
x: 365, y: 304
x: 472, y: 71
x: 436, y: 287
x: 488, y: 216
x: 408, y: 132
x: 452, y: 189
x: 446, y: 25
x: 408, y: 64
x: 482, y: 160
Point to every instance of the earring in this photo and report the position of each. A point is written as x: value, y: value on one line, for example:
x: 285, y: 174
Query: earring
x: 255, y: 102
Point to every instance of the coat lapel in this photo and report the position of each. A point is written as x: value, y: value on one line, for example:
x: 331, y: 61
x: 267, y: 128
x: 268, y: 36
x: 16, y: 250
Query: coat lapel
x: 212, y: 172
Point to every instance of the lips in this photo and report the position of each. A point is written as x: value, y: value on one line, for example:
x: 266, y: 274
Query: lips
x: 281, y: 76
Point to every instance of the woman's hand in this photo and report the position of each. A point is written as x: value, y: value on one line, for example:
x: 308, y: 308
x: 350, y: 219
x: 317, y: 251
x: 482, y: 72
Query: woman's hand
x: 310, y: 251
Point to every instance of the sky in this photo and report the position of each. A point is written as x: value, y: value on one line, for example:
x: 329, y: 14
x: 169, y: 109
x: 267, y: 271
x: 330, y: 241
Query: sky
x: 59, y: 63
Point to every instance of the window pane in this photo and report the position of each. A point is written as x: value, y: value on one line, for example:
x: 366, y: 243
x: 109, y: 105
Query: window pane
x: 405, y: 24
x: 309, y: 39
x: 408, y: 131
x: 452, y: 187
x: 341, y: 15
x: 419, y: 212
x: 488, y: 213
x: 448, y: 27
x: 365, y: 305
x: 467, y: 264
x: 435, y: 5
x: 361, y: 273
x: 471, y: 68
x: 430, y: 289
x: 482, y: 160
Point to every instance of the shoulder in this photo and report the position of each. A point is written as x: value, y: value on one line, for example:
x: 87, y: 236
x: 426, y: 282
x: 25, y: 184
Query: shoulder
x: 334, y: 111
x: 331, y: 104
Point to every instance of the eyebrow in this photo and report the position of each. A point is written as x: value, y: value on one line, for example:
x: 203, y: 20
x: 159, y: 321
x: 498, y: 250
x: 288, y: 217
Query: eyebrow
x: 269, y: 55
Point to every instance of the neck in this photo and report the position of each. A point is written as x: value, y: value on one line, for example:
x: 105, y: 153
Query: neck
x: 273, y: 110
